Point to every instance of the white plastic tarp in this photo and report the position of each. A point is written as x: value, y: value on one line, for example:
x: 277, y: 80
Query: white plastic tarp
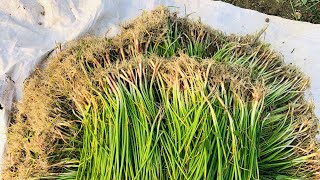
x: 30, y: 29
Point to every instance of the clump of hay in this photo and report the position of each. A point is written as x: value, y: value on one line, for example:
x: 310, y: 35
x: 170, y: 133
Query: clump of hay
x: 194, y: 103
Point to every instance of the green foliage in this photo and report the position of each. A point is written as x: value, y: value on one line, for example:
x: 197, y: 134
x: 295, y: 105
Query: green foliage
x: 193, y: 44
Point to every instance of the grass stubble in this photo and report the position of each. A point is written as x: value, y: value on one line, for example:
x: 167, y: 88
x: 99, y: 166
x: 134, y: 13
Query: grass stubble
x: 165, y: 99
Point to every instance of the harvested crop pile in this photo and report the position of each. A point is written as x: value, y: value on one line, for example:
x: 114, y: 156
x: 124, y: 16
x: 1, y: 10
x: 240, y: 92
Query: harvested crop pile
x: 165, y: 99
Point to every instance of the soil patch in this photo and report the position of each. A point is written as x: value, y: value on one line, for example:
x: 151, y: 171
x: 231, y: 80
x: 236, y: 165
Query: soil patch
x: 283, y: 8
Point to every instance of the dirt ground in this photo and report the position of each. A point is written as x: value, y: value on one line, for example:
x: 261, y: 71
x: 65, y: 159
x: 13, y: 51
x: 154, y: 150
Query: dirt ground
x: 283, y: 8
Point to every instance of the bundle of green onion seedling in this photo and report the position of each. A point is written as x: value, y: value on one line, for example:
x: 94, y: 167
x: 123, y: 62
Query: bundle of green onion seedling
x: 165, y: 99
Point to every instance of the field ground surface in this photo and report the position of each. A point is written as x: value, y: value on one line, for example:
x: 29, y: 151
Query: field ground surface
x: 301, y: 10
